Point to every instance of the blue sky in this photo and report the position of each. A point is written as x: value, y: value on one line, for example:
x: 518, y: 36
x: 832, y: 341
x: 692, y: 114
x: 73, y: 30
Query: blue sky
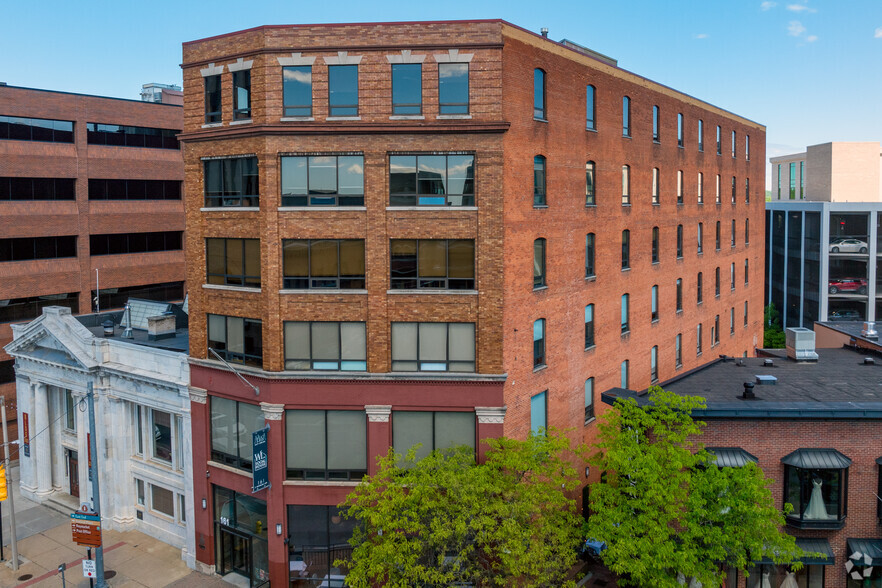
x: 807, y: 69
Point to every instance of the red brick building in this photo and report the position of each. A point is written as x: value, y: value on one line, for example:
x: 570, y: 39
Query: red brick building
x: 87, y: 184
x: 366, y: 205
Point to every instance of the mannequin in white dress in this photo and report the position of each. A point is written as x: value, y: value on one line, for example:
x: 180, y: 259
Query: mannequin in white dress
x: 789, y: 581
x: 816, y: 509
x: 763, y: 581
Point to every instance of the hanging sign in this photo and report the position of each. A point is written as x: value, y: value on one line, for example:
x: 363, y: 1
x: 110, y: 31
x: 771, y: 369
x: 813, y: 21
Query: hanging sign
x: 259, y: 463
x: 26, y: 437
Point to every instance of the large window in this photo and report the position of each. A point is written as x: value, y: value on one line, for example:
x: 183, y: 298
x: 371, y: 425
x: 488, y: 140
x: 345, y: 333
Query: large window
x: 213, y: 99
x: 626, y: 185
x: 127, y: 136
x: 734, y: 149
x: 231, y: 181
x: 746, y: 271
x: 626, y: 249
x: 589, y: 255
x: 590, y: 196
x: 625, y: 314
x: 732, y: 275
x: 539, y: 263
x: 715, y: 331
x: 431, y: 180
x: 538, y: 343
x: 655, y: 245
x: 318, y: 537
x: 343, y: 90
x: 38, y: 188
x: 539, y: 198
x: 626, y: 116
x: 433, y: 347
x: 334, y: 346
x: 436, y: 264
x: 654, y: 304
x: 22, y: 309
x: 407, y: 88
x: 28, y: 248
x: 117, y: 297
x: 242, y: 94
x: 656, y: 135
x: 453, y: 88
x: 747, y: 147
x: 539, y: 413
x: 432, y: 430
x: 234, y: 262
x: 589, y: 326
x: 655, y: 197
x: 232, y: 424
x: 323, y: 263
x: 236, y: 339
x: 100, y: 189
x: 297, y: 90
x: 539, y: 94
x: 7, y: 371
x: 679, y: 241
x: 589, y: 400
x: 590, y: 111
x: 323, y: 180
x: 70, y: 415
x: 162, y: 445
x: 18, y: 128
x: 122, y: 243
x: 816, y: 484
x: 325, y: 444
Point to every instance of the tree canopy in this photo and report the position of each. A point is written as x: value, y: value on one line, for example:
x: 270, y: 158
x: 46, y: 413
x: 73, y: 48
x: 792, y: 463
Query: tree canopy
x: 665, y: 509
x: 445, y: 520
x: 773, y: 333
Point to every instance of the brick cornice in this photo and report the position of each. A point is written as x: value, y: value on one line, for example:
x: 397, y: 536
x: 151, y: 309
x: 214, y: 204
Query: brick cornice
x: 348, y: 128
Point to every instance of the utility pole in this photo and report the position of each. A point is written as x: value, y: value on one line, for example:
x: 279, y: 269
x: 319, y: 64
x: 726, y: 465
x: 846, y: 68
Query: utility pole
x: 93, y: 470
x: 8, y: 488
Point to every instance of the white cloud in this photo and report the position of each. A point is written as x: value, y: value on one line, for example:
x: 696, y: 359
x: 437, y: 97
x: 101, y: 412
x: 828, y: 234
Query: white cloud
x: 768, y: 5
x: 811, y: 38
x: 795, y: 28
x: 701, y: 36
x: 878, y: 34
x: 799, y: 8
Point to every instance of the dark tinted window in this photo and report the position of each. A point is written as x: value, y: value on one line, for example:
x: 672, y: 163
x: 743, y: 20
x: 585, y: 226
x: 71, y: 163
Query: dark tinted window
x: 100, y: 189
x: 212, y: 99
x: 234, y: 262
x: 37, y: 188
x: 407, y: 88
x: 231, y: 182
x: 117, y: 297
x: 432, y: 180
x: 236, y: 339
x: 343, y: 90
x: 626, y: 116
x: 22, y: 309
x: 323, y: 180
x: 28, y: 248
x: 36, y: 129
x: 297, y: 90
x: 323, y: 263
x: 7, y: 371
x: 121, y: 243
x: 242, y: 94
x: 126, y: 136
x: 453, y: 88
x: 539, y: 181
x: 433, y: 264
x: 539, y: 94
x: 590, y: 120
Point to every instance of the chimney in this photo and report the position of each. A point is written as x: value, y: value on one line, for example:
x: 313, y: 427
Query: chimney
x: 160, y: 327
x: 800, y: 343
x: 869, y: 331
x: 544, y: 31
x: 748, y: 391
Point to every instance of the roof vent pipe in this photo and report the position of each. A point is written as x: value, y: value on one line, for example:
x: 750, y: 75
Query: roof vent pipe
x: 108, y: 328
x: 869, y: 361
x: 768, y: 363
x: 748, y: 391
x: 544, y: 31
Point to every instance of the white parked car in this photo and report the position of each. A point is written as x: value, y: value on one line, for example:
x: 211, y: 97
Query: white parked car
x: 848, y: 246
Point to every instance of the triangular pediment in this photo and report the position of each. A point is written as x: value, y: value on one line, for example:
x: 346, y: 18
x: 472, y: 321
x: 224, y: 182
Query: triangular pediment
x: 61, y: 340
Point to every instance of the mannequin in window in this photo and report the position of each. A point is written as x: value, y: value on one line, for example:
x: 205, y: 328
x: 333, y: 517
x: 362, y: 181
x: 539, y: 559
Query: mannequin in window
x: 763, y: 581
x: 789, y: 581
x: 816, y: 509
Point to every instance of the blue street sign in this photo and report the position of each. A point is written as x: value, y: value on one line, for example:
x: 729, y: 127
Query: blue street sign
x: 260, y: 463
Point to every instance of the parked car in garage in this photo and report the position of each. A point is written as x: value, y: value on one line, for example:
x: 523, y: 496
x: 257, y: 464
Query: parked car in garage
x: 849, y: 246
x: 845, y: 315
x: 847, y: 285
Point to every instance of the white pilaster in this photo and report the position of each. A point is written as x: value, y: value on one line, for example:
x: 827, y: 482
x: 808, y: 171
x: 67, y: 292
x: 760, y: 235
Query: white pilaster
x: 41, y: 440
x: 27, y: 473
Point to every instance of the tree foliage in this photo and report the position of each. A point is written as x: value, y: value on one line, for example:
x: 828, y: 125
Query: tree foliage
x: 773, y: 333
x: 443, y: 520
x: 666, y: 509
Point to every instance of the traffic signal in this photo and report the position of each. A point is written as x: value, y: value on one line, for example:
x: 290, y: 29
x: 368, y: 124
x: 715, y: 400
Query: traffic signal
x: 3, y: 492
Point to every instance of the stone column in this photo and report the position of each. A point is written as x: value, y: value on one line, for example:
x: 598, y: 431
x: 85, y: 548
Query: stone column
x: 379, y: 433
x: 26, y: 472
x: 41, y: 439
x: 490, y: 424
x: 275, y: 496
x: 81, y: 417
x: 189, y: 553
x: 119, y: 428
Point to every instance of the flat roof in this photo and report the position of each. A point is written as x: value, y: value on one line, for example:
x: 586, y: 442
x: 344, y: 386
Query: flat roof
x: 179, y: 342
x: 88, y: 95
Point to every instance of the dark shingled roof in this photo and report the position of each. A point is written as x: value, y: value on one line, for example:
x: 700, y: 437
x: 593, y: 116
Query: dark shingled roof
x: 817, y: 459
x: 731, y: 457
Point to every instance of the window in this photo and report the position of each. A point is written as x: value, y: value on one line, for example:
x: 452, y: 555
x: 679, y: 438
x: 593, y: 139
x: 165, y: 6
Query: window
x: 698, y: 340
x: 433, y: 347
x: 745, y: 313
x: 233, y: 262
x: 747, y: 190
x: 428, y: 180
x: 747, y: 147
x: 21, y: 309
x: 242, y: 94
x: 124, y: 243
x: 700, y: 238
x: 236, y: 339
x: 325, y: 444
x: 626, y: 185
x: 680, y: 186
x: 297, y: 90
x: 655, y: 185
x: 39, y: 188
x: 538, y: 413
x: 162, y: 435
x: 732, y: 321
x: 590, y: 199
x: 332, y: 346
x: 792, y: 180
x: 715, y: 330
x: 245, y: 513
x: 538, y: 343
x: 323, y: 180
x: 732, y: 275
x: 138, y: 429
x: 232, y: 424
x: 182, y: 508
x: 117, y: 297
x: 779, y: 181
x: 589, y: 255
x: 700, y: 188
x: 343, y: 90
x: 18, y: 128
x: 718, y: 197
x: 318, y: 536
x: 679, y: 241
x: 816, y: 484
x: 28, y: 248
x: 433, y: 430
x: 589, y: 400
x: 747, y: 231
x: 733, y: 145
x: 590, y: 111
x: 653, y: 364
x: 162, y: 500
x: 70, y: 415
x: 623, y: 369
x: 231, y: 182
x: 539, y: 263
x: 7, y: 371
x: 126, y: 190
x: 323, y: 263
x: 801, y: 180
x: 717, y: 282
x: 539, y: 181
x: 431, y: 264
x: 680, y: 129
x: 589, y: 326
x: 625, y: 326
x: 407, y: 88
x: 125, y: 136
x: 699, y: 295
x: 139, y: 491
x: 213, y: 99
x: 746, y: 271
x: 719, y: 140
x: 626, y: 116
x: 626, y: 249
x: 453, y: 88
x: 700, y: 135
x: 733, y: 233
x: 678, y: 350
x: 655, y: 245
x: 539, y: 94
x: 679, y: 294
x: 654, y: 303
x: 733, y: 190
x: 655, y: 130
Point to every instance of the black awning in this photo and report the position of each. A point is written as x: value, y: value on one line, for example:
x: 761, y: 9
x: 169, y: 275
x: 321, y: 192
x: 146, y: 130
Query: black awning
x: 810, y: 545
x: 817, y: 459
x: 879, y: 460
x: 871, y: 547
x: 731, y: 457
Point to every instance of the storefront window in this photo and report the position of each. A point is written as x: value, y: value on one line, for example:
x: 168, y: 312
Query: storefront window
x: 318, y: 536
x: 241, y: 536
x: 816, y: 483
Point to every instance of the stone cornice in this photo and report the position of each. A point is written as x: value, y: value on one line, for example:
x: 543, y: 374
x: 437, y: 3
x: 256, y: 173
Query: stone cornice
x: 198, y: 395
x: 490, y: 415
x: 272, y: 412
x: 378, y: 413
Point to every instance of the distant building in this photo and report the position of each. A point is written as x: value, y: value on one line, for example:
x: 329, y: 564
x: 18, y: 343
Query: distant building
x: 162, y: 94
x: 142, y: 415
x: 823, y: 238
x: 90, y: 198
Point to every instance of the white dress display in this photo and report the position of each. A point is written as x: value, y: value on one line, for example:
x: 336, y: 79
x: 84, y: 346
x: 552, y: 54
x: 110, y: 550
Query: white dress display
x: 763, y: 582
x: 789, y: 581
x: 816, y: 509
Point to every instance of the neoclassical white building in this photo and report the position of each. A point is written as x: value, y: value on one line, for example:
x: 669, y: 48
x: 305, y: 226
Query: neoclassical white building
x: 142, y: 414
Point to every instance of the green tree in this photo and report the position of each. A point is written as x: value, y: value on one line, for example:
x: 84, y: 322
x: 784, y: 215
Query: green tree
x: 773, y: 333
x: 444, y: 520
x: 665, y: 509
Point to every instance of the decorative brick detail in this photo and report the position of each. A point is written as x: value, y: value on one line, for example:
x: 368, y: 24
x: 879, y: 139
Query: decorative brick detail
x: 378, y: 413
x: 211, y: 70
x: 241, y: 64
x: 295, y: 59
x: 343, y: 58
x: 490, y: 415
x: 405, y: 57
x: 454, y: 56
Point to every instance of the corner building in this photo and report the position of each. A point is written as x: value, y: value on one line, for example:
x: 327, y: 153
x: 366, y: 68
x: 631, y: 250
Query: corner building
x: 436, y: 233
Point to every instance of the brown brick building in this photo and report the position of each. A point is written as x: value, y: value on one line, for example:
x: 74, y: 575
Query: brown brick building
x: 366, y: 205
x: 86, y: 183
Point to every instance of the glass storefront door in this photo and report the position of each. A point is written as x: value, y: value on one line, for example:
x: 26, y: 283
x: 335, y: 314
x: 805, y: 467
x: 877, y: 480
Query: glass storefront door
x: 241, y: 536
